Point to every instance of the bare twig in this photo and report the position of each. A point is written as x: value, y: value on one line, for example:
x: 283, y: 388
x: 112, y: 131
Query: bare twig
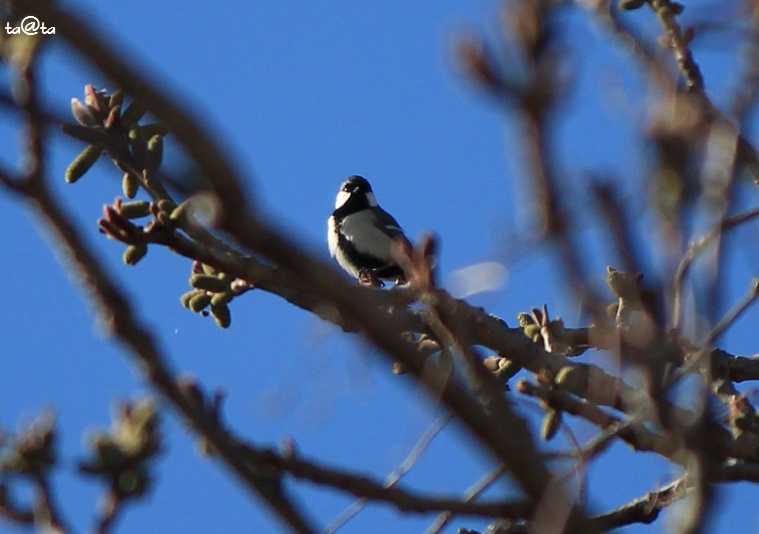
x: 398, y: 473
x: 683, y: 56
x: 111, y: 508
x: 698, y: 358
x: 733, y: 315
x: 477, y: 489
x: 645, y: 509
x: 46, y: 509
x: 367, y: 488
x: 696, y: 248
x: 637, y: 436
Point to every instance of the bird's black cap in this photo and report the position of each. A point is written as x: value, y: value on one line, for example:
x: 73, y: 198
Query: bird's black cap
x: 357, y: 183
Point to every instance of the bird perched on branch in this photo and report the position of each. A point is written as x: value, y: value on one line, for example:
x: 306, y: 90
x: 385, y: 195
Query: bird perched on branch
x: 361, y: 234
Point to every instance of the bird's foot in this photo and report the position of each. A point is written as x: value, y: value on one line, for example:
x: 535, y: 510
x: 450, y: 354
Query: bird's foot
x: 367, y: 278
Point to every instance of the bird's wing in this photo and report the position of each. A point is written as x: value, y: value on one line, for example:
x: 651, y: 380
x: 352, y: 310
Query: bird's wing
x: 372, y: 232
x: 388, y: 222
x: 332, y: 236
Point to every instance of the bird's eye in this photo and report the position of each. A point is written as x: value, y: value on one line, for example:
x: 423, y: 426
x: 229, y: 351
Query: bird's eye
x: 346, y: 188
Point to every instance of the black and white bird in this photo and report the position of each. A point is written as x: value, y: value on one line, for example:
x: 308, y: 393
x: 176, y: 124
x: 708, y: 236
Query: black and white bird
x: 361, y: 234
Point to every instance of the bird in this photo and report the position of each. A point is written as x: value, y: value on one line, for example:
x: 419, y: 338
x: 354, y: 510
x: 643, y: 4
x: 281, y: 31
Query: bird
x: 361, y: 234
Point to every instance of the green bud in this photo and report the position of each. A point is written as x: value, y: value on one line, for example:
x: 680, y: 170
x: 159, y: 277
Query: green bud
x: 82, y: 113
x: 116, y: 99
x: 505, y: 365
x: 135, y: 134
x: 532, y: 331
x: 155, y: 153
x: 209, y: 283
x: 178, y: 213
x: 135, y: 209
x: 200, y: 301
x: 138, y: 146
x: 134, y: 253
x: 113, y: 117
x: 82, y: 163
x: 572, y: 378
x: 222, y: 298
x: 524, y: 319
x: 221, y: 315
x: 186, y: 297
x: 133, y: 114
x: 551, y: 423
x: 563, y: 375
x: 129, y: 185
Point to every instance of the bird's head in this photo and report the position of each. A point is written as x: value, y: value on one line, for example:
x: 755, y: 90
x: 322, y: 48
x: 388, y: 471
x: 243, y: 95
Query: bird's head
x: 358, y: 190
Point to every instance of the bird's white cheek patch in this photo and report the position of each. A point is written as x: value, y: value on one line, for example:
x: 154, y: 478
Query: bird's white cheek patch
x: 342, y: 198
x: 371, y: 199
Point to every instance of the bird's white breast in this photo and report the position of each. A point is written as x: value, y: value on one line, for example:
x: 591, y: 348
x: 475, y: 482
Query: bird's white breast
x: 332, y: 236
x: 335, y: 251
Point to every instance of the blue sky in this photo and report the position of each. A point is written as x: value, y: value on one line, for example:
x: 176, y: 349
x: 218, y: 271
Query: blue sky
x: 306, y: 93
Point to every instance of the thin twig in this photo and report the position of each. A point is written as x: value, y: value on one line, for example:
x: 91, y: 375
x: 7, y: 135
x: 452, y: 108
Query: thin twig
x: 398, y: 473
x: 683, y: 56
x: 638, y: 437
x: 477, y: 489
x: 111, y: 508
x: 644, y: 509
x: 46, y: 508
x: 698, y: 358
x: 733, y: 315
x: 367, y: 488
x: 693, y: 251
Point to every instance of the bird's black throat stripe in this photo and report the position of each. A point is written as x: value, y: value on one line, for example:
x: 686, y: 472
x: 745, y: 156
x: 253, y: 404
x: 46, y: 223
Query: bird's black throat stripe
x: 354, y: 204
